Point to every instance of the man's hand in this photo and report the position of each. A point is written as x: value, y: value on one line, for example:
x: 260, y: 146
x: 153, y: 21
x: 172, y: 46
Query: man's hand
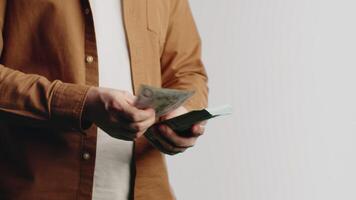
x: 171, y: 141
x: 114, y: 112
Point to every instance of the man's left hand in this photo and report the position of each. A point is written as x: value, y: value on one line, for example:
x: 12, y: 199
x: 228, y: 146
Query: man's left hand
x: 172, y: 142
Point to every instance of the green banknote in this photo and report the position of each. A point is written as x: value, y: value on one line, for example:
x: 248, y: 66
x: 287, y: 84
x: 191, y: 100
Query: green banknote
x: 162, y: 100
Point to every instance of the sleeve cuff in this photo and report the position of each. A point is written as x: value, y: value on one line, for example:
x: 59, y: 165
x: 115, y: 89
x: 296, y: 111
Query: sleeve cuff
x: 67, y: 104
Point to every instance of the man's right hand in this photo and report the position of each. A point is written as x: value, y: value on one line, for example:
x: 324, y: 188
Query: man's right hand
x: 114, y: 112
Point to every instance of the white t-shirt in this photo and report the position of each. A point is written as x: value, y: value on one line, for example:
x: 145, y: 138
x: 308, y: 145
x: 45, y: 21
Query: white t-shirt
x: 113, y: 156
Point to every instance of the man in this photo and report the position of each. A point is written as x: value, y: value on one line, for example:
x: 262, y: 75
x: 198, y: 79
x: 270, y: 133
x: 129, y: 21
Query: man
x: 66, y: 123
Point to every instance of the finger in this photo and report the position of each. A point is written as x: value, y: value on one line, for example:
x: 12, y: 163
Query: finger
x: 123, y: 137
x: 129, y: 97
x: 121, y: 122
x: 119, y: 133
x: 165, y: 146
x: 179, y: 111
x: 197, y: 130
x: 133, y: 130
x: 157, y: 144
x: 137, y: 115
x: 203, y: 123
x: 143, y: 125
x: 171, y: 137
x: 140, y: 134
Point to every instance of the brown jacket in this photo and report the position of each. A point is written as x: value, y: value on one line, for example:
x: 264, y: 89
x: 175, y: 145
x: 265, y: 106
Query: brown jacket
x: 45, y: 72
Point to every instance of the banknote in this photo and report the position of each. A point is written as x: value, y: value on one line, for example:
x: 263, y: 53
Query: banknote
x: 162, y: 100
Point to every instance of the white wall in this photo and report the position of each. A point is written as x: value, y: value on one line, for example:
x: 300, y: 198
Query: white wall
x: 288, y: 67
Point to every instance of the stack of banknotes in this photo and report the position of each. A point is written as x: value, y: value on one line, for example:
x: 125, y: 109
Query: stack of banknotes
x: 161, y: 100
x: 164, y: 100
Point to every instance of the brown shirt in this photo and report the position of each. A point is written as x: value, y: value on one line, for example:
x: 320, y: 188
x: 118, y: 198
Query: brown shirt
x: 49, y: 61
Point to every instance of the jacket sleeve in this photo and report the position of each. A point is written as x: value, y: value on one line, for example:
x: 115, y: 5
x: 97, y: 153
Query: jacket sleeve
x: 182, y: 67
x: 36, y: 101
x: 32, y: 99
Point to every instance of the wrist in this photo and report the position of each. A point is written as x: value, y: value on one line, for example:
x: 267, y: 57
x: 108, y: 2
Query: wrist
x: 91, y: 101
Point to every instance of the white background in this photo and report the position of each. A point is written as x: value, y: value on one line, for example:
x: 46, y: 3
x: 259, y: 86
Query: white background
x: 288, y: 67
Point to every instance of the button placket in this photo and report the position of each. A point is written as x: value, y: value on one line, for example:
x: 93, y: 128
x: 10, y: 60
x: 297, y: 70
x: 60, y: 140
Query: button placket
x: 87, y: 11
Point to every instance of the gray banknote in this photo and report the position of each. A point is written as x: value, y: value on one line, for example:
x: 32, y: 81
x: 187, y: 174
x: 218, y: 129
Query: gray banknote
x: 162, y: 100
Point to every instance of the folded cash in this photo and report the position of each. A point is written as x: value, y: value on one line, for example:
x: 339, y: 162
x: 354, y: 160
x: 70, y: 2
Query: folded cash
x: 182, y: 124
x: 162, y: 100
x: 220, y: 111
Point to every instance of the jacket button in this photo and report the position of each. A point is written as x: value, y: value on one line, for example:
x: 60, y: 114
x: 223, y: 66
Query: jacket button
x: 89, y: 59
x: 86, y: 156
x: 86, y: 11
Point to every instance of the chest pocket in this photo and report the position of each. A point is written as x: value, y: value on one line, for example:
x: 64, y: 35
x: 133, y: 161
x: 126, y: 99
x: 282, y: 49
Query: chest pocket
x: 153, y: 16
x: 157, y: 20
